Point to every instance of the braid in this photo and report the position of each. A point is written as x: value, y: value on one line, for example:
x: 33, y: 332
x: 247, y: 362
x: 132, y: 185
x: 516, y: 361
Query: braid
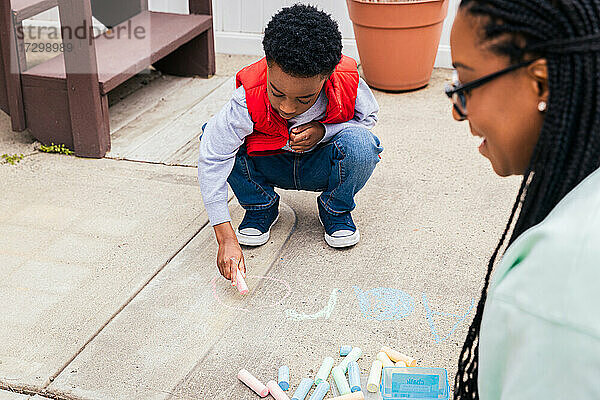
x: 567, y: 34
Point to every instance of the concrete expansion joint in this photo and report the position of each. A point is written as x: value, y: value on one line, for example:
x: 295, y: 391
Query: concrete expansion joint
x: 17, y: 390
x: 150, y: 162
x: 56, y: 396
x: 30, y: 392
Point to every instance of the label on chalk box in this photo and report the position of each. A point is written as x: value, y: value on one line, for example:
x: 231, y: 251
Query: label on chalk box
x: 416, y: 385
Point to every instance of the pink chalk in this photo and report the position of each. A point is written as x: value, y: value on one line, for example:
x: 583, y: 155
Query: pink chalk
x: 241, y: 283
x: 276, y: 391
x: 253, y: 383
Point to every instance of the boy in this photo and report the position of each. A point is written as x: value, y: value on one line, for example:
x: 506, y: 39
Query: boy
x: 298, y: 119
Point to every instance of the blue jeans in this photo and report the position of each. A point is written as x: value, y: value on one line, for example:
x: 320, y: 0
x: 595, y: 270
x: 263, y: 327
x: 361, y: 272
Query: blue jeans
x: 338, y: 169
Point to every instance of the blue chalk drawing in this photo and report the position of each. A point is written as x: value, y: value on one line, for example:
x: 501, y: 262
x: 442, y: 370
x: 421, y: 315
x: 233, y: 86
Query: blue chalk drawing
x: 324, y: 313
x: 429, y: 314
x: 384, y: 304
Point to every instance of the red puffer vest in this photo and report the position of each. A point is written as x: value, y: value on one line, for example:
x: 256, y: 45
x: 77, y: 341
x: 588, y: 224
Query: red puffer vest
x: 270, y: 129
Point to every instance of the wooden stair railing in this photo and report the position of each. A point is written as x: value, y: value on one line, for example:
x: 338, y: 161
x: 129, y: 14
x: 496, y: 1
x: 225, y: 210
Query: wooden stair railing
x: 66, y: 98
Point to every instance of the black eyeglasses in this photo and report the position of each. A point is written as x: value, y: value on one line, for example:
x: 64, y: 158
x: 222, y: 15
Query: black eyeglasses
x: 457, y: 91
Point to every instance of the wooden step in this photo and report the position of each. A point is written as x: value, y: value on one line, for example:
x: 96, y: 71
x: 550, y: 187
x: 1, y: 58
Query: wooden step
x: 23, y: 9
x: 120, y: 56
x: 105, y: 13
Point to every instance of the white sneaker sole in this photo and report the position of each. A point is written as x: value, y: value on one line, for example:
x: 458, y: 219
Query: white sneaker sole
x: 340, y: 242
x: 255, y: 240
x: 344, y: 241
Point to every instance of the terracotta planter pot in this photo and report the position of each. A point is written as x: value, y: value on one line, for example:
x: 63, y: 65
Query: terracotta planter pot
x: 397, y: 41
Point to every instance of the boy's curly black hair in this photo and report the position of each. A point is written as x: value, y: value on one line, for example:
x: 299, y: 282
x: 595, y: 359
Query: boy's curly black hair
x: 303, y: 41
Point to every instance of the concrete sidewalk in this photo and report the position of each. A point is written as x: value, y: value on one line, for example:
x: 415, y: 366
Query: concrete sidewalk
x: 109, y: 286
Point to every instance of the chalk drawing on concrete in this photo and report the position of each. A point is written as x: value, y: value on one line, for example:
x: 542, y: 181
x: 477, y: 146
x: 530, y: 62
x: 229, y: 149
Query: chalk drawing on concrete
x: 429, y: 314
x: 324, y: 313
x: 240, y: 300
x: 384, y: 304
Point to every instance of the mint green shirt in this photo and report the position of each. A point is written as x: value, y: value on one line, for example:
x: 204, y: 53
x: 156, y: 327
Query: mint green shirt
x: 540, y: 332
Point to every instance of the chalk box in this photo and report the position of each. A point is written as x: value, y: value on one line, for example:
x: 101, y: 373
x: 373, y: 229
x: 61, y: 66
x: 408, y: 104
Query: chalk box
x: 400, y: 383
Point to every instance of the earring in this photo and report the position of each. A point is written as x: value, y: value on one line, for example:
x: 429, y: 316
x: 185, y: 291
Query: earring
x: 542, y: 106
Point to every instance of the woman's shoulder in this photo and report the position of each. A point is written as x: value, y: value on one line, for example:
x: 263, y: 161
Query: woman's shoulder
x: 552, y: 270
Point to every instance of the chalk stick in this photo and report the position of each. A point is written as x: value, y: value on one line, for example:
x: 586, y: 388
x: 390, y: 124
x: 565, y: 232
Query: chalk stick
x: 320, y: 391
x: 351, y: 396
x: 303, y: 389
x: 340, y: 380
x: 354, y: 355
x: 385, y: 360
x: 397, y: 356
x: 354, y: 377
x: 283, y: 377
x: 276, y: 391
x: 253, y: 383
x: 324, y: 371
x: 345, y: 349
x: 374, y: 376
x: 241, y: 283
x: 400, y: 364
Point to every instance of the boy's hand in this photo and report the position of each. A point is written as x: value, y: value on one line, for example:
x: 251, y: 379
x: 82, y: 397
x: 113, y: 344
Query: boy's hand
x: 305, y: 136
x: 229, y: 256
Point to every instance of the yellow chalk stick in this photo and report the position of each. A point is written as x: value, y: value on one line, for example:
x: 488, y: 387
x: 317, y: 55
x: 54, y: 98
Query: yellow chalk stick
x: 385, y: 360
x: 397, y: 356
x: 374, y: 376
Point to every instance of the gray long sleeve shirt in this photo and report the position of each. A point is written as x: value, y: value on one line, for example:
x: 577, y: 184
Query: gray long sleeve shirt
x: 225, y: 133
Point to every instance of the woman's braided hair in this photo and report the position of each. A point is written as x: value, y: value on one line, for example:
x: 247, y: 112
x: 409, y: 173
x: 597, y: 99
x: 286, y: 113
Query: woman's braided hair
x: 567, y: 34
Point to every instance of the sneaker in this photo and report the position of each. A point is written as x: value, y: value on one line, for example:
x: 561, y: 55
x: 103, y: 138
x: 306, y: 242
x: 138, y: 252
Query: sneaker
x: 340, y: 230
x: 255, y: 228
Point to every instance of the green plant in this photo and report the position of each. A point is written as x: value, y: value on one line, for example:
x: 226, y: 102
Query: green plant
x: 12, y: 159
x: 55, y: 148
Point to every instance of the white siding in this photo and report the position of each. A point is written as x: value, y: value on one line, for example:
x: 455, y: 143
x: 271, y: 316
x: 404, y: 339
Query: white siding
x: 239, y: 23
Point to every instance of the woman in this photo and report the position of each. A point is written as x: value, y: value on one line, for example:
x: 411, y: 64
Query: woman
x: 528, y: 84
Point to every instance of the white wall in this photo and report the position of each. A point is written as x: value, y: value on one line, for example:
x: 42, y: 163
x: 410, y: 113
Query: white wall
x: 239, y: 23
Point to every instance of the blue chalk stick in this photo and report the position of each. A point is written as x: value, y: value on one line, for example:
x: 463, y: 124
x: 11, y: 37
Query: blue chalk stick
x: 320, y: 391
x: 354, y: 376
x: 345, y: 349
x: 303, y: 389
x: 283, y: 377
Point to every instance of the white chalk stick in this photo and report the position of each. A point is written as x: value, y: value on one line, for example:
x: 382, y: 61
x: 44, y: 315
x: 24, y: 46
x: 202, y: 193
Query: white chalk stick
x: 276, y: 391
x: 374, y: 376
x: 354, y: 355
x: 324, y: 371
x: 345, y: 350
x: 395, y: 355
x: 354, y: 377
x: 283, y: 377
x: 303, y: 389
x: 253, y: 383
x: 340, y: 380
x: 385, y: 360
x: 320, y: 391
